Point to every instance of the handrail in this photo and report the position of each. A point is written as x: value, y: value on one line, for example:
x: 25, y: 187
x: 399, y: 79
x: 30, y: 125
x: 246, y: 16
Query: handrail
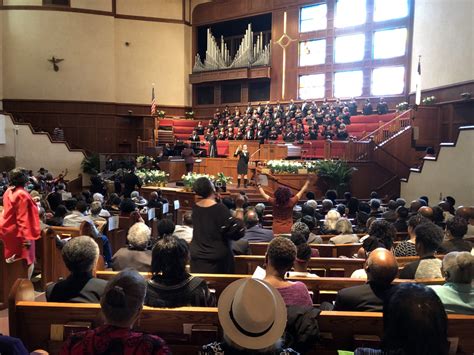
x: 378, y: 133
x: 391, y: 155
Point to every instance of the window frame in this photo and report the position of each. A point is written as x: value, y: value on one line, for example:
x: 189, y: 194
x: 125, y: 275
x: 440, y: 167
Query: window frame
x: 368, y: 64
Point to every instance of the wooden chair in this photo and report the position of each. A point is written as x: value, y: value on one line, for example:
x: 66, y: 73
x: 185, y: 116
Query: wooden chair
x: 9, y: 273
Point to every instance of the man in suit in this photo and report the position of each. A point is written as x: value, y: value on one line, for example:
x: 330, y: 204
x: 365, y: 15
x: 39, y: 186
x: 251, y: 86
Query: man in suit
x: 188, y: 155
x: 381, y: 268
x: 253, y: 232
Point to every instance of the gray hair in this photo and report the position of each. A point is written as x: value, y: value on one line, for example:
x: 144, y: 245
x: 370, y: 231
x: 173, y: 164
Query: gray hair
x: 327, y: 204
x: 80, y: 254
x: 344, y: 226
x: 331, y: 219
x: 139, y: 235
x: 98, y: 197
x: 134, y: 194
x: 459, y: 267
x: 123, y: 297
x: 313, y: 203
x: 96, y: 207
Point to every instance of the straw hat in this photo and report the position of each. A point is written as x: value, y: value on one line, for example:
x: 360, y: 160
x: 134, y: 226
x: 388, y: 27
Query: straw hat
x: 252, y: 313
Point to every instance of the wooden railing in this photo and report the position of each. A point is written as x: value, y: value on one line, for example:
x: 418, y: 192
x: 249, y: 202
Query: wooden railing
x: 391, y: 128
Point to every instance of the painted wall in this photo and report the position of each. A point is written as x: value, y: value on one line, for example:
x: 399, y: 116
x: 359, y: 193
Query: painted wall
x: 33, y: 151
x: 443, y: 35
x: 450, y: 175
x: 157, y: 54
x: 98, y: 66
x: 172, y: 9
x: 85, y: 42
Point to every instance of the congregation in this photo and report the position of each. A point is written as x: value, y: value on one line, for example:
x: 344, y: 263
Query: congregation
x: 218, y: 228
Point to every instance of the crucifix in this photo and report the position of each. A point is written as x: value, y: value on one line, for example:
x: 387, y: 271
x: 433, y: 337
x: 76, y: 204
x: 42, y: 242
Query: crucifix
x: 284, y: 41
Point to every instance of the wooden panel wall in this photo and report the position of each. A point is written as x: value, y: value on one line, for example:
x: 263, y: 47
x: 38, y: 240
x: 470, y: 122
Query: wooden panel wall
x: 93, y: 126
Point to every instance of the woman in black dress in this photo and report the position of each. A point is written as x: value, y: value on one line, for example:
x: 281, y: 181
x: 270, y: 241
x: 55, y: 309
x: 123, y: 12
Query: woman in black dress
x: 211, y: 138
x: 213, y: 230
x: 243, y: 164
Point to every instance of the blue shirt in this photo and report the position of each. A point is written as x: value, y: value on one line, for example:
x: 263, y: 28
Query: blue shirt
x: 456, y: 297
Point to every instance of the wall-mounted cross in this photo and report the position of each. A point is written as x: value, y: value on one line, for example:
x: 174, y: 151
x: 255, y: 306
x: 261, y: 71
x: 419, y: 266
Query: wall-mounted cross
x: 284, y: 41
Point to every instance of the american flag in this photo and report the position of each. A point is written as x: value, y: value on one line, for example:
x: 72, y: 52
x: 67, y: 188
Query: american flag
x: 153, y: 102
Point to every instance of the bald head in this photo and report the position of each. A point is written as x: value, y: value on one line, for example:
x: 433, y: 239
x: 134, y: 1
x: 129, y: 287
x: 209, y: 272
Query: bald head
x: 458, y: 267
x: 251, y: 218
x: 381, y: 267
x: 465, y: 212
x: 426, y: 212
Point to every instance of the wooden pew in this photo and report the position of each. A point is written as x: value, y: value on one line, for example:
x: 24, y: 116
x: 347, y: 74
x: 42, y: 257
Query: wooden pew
x: 219, y: 282
x: 330, y: 267
x: 185, y: 329
x: 325, y: 250
x: 31, y: 322
x: 52, y: 263
x: 9, y: 273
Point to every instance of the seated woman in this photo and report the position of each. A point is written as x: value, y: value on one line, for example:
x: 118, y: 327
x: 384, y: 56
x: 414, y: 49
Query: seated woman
x: 457, y: 294
x: 407, y: 247
x: 253, y: 317
x: 381, y: 235
x: 80, y: 255
x: 171, y: 285
x: 345, y: 233
x: 303, y: 255
x: 280, y: 257
x: 136, y: 255
x: 121, y: 305
x: 415, y: 322
x: 330, y: 220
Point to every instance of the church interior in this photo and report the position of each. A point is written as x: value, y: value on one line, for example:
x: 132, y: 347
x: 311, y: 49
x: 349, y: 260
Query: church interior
x: 201, y: 144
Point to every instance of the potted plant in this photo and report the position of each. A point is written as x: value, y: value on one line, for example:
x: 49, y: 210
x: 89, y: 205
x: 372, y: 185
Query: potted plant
x: 335, y: 174
x: 402, y: 106
x: 91, y: 164
x: 429, y: 100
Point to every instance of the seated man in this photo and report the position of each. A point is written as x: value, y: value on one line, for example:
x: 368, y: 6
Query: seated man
x: 185, y: 231
x: 428, y: 240
x: 136, y: 255
x: 80, y: 255
x: 382, y: 107
x: 457, y: 294
x: 456, y: 228
x: 253, y: 232
x: 280, y: 257
x: 99, y: 197
x: 381, y: 268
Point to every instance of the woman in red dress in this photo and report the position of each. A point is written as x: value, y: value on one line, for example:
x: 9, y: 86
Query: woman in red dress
x: 19, y: 224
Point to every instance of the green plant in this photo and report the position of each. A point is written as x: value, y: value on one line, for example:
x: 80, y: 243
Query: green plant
x: 91, y: 164
x: 336, y: 173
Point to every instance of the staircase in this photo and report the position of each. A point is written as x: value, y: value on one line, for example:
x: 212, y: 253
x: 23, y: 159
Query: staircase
x: 447, y: 174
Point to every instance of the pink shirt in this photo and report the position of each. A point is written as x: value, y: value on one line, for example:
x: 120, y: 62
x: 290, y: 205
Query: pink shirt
x: 296, y: 295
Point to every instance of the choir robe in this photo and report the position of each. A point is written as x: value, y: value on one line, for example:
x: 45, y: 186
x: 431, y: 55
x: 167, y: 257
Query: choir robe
x: 19, y: 222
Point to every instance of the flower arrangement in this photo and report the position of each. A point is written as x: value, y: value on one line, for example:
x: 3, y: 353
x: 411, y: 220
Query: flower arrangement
x: 160, y: 113
x: 284, y: 166
x: 189, y: 114
x: 402, y: 106
x: 152, y: 177
x: 143, y: 160
x: 429, y: 100
x: 220, y: 181
x: 189, y: 179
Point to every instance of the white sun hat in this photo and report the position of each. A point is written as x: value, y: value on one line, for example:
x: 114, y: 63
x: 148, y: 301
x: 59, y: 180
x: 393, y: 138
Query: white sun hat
x: 252, y: 313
